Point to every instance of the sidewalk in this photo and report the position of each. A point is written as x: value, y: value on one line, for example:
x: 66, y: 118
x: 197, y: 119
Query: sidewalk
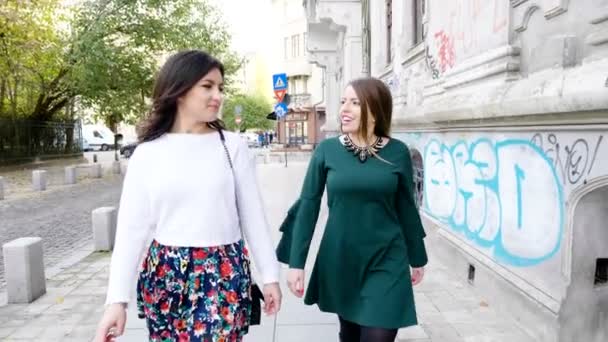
x: 18, y: 179
x: 448, y: 310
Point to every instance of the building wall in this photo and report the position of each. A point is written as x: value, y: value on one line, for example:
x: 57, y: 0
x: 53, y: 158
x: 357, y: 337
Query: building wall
x: 305, y: 78
x: 335, y: 43
x: 484, y: 98
x: 506, y: 101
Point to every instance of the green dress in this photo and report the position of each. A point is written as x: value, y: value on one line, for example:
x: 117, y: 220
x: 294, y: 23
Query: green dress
x: 372, y: 236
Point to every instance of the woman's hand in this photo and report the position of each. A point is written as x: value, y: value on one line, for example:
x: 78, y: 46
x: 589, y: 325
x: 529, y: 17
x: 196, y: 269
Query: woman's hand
x: 272, y: 298
x: 295, y: 281
x: 417, y: 275
x: 112, y: 323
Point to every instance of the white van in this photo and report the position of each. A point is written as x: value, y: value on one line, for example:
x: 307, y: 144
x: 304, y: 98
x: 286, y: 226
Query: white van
x: 98, y: 137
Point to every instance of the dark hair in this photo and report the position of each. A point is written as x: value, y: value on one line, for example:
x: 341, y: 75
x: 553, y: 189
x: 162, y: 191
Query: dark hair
x: 177, y: 76
x: 376, y: 100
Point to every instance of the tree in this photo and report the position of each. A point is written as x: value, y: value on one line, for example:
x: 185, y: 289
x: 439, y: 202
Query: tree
x: 254, y: 109
x: 129, y: 39
x: 102, y: 54
x: 31, y: 50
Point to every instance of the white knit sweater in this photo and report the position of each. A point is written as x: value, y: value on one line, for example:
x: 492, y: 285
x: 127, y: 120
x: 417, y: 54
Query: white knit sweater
x: 180, y: 188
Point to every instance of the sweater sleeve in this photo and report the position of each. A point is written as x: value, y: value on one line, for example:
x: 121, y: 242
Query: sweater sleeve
x: 251, y: 214
x: 409, y: 216
x: 134, y: 224
x: 308, y: 211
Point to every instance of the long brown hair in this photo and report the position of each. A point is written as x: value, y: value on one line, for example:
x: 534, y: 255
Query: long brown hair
x: 177, y: 76
x: 376, y: 102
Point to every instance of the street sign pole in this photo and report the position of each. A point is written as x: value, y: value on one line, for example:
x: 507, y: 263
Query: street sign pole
x: 279, y: 85
x: 285, y: 150
x: 237, y: 117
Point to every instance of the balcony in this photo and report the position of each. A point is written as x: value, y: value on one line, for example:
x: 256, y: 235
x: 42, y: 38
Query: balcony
x: 298, y: 67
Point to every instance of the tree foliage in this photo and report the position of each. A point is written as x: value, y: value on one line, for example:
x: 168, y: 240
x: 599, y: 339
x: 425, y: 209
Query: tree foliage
x: 254, y: 109
x: 31, y: 49
x: 98, y: 54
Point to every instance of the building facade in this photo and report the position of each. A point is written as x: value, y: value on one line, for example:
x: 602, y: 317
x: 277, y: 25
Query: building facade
x: 504, y: 105
x: 301, y: 126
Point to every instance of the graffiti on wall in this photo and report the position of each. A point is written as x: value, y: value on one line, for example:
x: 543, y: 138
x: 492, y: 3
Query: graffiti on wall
x: 463, y: 28
x: 574, y: 161
x: 443, y: 56
x: 502, y: 195
x: 445, y: 51
x: 393, y: 83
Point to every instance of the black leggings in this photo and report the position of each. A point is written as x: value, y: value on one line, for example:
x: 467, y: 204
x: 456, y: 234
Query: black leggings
x: 352, y: 332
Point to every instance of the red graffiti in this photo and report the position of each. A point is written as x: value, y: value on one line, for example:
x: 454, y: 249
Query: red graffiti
x: 446, y: 52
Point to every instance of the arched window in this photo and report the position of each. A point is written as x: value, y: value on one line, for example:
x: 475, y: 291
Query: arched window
x: 418, y: 170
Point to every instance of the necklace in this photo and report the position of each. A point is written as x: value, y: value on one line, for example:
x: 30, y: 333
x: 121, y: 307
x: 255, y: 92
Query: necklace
x: 362, y: 152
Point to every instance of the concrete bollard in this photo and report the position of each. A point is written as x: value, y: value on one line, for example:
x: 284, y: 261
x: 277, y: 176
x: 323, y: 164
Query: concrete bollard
x: 39, y: 178
x: 24, y: 270
x: 96, y: 171
x: 1, y: 188
x: 116, y: 167
x: 70, y: 175
x: 104, y: 228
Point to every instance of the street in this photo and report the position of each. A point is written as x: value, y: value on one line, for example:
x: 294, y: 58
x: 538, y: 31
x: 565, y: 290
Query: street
x: 62, y: 217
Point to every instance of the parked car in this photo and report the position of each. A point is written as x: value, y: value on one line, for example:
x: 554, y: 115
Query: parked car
x: 127, y: 150
x: 251, y: 138
x: 85, y: 145
x: 98, y: 137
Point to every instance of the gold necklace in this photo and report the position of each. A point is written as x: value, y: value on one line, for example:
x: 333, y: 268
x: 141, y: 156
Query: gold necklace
x: 362, y: 152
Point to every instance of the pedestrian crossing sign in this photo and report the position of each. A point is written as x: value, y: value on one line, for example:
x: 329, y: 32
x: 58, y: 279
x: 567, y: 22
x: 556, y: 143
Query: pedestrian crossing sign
x: 279, y: 81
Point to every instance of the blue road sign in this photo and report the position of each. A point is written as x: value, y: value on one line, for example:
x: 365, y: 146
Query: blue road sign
x: 280, y: 109
x: 279, y: 81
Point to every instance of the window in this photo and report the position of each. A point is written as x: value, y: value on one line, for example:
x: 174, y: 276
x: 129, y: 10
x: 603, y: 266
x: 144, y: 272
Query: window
x: 601, y: 272
x: 418, y: 171
x: 305, y: 85
x: 389, y: 28
x: 304, y: 46
x: 292, y: 85
x: 97, y: 135
x: 295, y: 45
x: 418, y: 16
x: 286, y: 47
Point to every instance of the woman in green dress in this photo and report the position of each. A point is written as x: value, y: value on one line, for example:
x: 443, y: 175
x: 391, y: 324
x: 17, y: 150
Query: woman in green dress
x: 373, y: 233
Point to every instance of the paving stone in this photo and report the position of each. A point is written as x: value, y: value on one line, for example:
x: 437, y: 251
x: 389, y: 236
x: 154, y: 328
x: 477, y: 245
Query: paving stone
x: 415, y: 332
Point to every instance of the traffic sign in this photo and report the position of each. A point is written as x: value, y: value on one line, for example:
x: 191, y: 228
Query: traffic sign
x: 280, y: 94
x: 279, y: 81
x: 280, y: 109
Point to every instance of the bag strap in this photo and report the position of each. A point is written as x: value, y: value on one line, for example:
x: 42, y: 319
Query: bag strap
x: 257, y: 293
x: 223, y: 139
x: 236, y: 197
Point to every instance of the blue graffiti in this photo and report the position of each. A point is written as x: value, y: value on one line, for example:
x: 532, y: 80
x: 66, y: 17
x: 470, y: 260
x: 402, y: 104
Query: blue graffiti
x: 504, y: 195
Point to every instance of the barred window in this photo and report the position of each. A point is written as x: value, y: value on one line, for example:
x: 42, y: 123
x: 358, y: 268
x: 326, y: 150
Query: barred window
x: 389, y: 28
x: 418, y: 13
x: 418, y: 170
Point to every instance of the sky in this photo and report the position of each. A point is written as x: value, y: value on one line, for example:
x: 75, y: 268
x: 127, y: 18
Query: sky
x: 249, y: 21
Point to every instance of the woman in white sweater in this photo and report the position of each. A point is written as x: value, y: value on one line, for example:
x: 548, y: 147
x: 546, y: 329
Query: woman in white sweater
x: 194, y: 188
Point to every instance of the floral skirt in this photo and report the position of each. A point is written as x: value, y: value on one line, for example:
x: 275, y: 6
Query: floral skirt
x: 195, y: 294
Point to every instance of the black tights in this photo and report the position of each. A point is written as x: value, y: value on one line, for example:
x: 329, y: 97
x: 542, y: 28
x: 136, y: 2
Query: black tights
x: 352, y: 332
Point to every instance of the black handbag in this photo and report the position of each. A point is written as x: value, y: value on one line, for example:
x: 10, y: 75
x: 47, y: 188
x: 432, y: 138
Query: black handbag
x: 256, y: 294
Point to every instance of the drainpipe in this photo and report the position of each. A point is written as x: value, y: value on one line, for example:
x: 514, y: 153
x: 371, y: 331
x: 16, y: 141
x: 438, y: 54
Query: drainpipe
x: 314, y: 106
